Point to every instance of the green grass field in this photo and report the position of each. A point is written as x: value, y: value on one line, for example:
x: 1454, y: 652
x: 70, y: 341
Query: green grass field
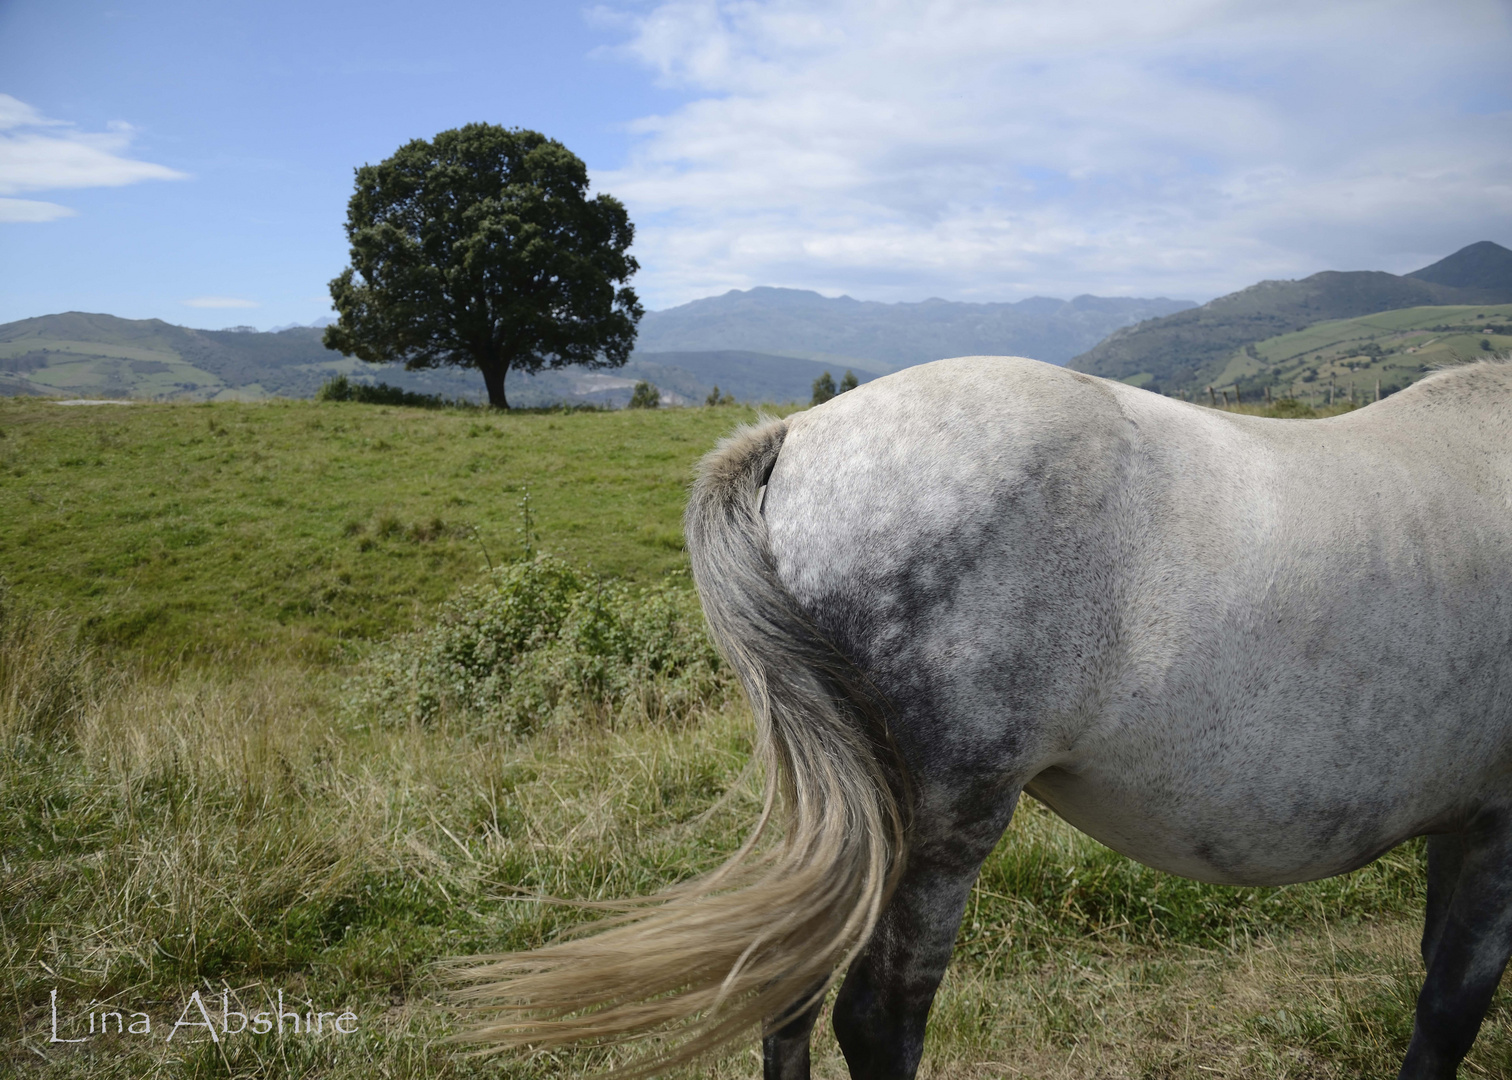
x: 189, y: 803
x: 289, y: 528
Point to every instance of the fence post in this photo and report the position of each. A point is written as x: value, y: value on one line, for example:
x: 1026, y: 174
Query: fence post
x: 1214, y: 397
x: 1267, y: 394
x: 1378, y: 389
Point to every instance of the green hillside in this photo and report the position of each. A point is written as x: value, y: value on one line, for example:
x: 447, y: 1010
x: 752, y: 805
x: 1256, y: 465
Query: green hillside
x: 1392, y: 348
x: 1192, y: 349
x: 88, y: 355
x: 79, y: 353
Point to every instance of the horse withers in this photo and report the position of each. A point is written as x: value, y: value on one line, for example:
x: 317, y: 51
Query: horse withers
x: 1243, y: 650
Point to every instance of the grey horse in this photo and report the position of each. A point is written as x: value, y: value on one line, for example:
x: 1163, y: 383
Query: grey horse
x: 1242, y: 650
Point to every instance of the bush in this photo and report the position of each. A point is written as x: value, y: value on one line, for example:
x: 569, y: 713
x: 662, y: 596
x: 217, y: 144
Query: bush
x: 645, y: 396
x: 343, y: 389
x: 542, y: 643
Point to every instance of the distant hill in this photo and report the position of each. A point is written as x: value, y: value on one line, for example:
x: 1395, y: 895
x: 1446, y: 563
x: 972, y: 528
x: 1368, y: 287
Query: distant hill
x: 82, y: 354
x: 1484, y: 266
x: 885, y: 337
x: 1191, y: 349
x: 1390, y: 349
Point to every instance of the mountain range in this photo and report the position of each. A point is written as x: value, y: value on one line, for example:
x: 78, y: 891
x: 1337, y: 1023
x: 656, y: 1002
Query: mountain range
x: 1190, y: 349
x: 769, y: 344
x: 877, y: 337
x: 760, y: 345
x: 82, y: 354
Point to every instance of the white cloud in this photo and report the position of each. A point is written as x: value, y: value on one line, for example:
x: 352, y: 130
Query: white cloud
x: 220, y: 302
x: 32, y: 210
x: 39, y: 154
x: 977, y: 149
x: 14, y: 113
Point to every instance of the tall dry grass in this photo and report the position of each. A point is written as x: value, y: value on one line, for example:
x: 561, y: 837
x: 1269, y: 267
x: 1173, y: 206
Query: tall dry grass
x: 162, y: 833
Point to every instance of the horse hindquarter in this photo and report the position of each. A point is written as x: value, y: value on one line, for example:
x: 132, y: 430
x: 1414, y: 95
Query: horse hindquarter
x: 1245, y: 651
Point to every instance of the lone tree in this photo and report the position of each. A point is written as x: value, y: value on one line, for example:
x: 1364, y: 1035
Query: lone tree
x: 482, y: 249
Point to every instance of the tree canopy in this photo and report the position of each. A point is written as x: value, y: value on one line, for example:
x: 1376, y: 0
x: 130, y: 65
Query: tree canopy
x: 481, y: 248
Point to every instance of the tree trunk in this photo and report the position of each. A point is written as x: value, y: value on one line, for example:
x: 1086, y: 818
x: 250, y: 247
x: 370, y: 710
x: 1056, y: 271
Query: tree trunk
x: 493, y: 378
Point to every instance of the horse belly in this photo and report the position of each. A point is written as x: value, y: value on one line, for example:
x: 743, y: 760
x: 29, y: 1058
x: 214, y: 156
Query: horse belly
x: 1237, y: 834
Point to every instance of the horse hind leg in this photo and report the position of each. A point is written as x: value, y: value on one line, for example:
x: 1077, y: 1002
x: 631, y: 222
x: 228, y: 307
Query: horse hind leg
x: 785, y: 1044
x: 1446, y: 857
x: 882, y: 1007
x: 1466, y: 942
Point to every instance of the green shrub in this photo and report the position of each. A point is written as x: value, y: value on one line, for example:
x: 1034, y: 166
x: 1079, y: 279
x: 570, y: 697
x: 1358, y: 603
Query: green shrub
x: 543, y: 642
x: 343, y: 389
x: 645, y: 396
x: 337, y: 389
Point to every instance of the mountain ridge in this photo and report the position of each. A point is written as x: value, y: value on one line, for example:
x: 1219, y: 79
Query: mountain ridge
x: 885, y: 337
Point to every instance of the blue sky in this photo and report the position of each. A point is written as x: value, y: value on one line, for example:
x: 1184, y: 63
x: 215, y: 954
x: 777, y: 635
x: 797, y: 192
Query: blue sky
x: 192, y: 162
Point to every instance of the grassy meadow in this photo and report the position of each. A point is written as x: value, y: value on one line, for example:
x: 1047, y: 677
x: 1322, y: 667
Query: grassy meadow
x: 190, y: 800
x: 290, y: 529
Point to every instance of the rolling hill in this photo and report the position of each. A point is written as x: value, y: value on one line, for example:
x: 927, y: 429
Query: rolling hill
x: 80, y: 354
x: 1192, y: 349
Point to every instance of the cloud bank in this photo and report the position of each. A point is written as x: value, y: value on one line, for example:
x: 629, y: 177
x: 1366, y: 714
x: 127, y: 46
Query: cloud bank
x: 976, y: 149
x: 40, y: 154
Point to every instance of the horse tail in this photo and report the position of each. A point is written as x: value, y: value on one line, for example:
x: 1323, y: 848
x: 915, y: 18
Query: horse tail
x: 766, y: 934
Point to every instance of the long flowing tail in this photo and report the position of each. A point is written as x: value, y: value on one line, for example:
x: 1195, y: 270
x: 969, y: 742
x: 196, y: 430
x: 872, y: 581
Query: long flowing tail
x: 768, y: 932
